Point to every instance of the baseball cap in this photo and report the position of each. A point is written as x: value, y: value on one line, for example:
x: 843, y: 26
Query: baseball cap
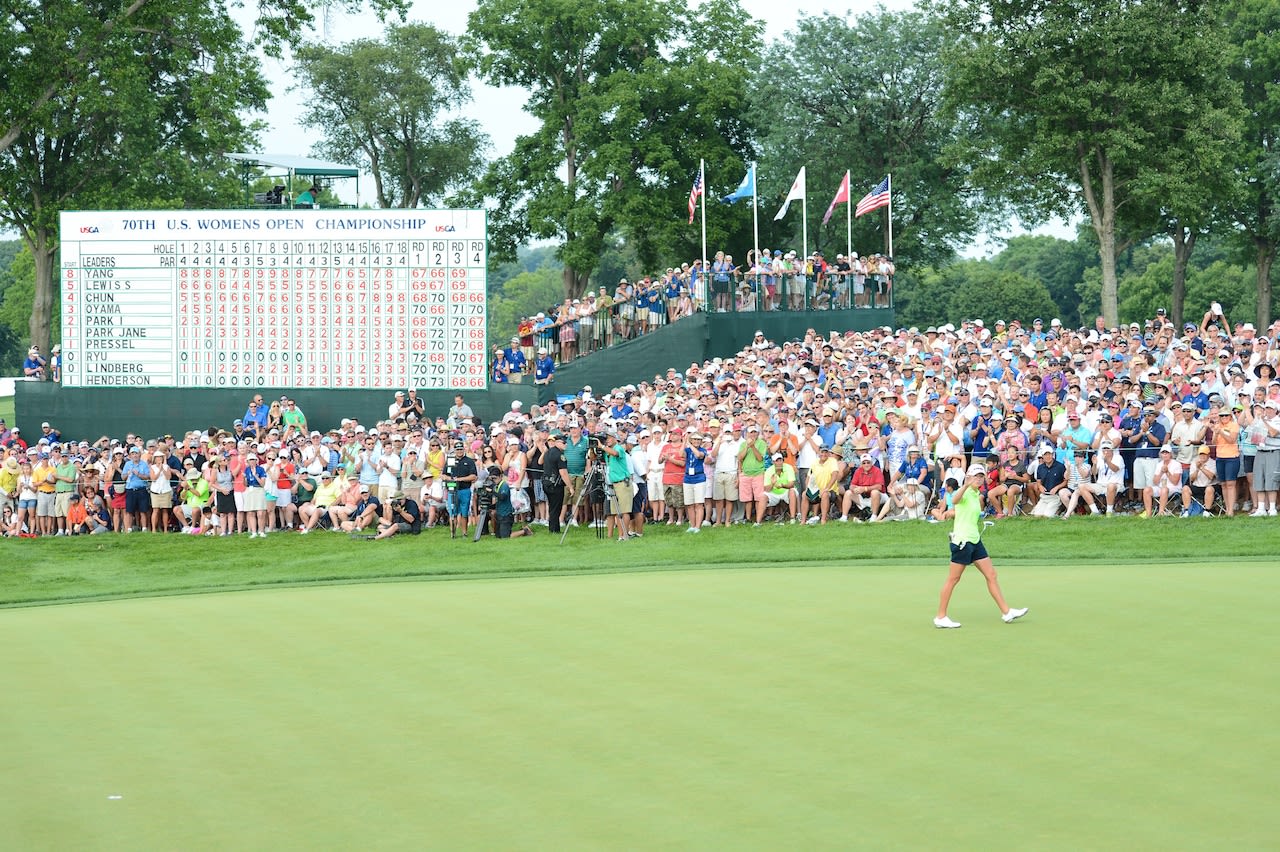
x: 976, y: 470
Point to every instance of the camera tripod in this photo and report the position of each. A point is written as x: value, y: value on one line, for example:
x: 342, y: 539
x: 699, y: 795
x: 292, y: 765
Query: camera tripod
x: 595, y: 478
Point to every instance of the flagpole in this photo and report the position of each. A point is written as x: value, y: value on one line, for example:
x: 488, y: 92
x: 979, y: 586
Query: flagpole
x: 890, y: 179
x: 804, y: 219
x: 848, y: 221
x: 702, y: 175
x: 755, y: 213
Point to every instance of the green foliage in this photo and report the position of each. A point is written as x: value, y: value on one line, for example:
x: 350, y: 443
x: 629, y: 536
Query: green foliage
x: 526, y: 260
x: 142, y: 121
x: 8, y: 251
x: 17, y: 288
x: 630, y: 95
x: 1253, y: 61
x: 522, y: 296
x: 1057, y: 264
x: 1144, y: 276
x: 381, y: 103
x: 1091, y: 106
x: 971, y: 289
x: 874, y: 111
x: 1144, y: 287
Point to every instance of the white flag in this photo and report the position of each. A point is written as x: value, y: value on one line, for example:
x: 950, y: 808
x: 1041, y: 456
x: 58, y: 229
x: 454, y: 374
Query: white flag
x: 796, y: 194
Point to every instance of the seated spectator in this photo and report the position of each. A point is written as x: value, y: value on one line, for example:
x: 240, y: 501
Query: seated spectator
x: 780, y: 488
x: 195, y: 497
x: 80, y: 521
x: 1166, y: 480
x: 1079, y: 479
x: 866, y: 490
x: 1197, y: 494
x: 1006, y: 496
x: 1051, y: 476
x: 943, y: 509
x: 823, y: 484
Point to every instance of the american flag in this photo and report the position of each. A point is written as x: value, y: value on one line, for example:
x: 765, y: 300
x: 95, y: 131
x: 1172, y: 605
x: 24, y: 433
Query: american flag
x: 693, y: 195
x: 875, y: 199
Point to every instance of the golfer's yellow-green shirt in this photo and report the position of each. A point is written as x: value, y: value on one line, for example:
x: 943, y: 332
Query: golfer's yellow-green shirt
x: 968, y: 514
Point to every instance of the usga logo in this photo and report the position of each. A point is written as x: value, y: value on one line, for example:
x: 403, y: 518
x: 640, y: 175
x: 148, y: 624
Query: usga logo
x: 445, y: 229
x: 88, y: 229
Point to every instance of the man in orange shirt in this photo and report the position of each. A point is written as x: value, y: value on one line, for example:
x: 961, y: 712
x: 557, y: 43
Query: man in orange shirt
x: 785, y: 442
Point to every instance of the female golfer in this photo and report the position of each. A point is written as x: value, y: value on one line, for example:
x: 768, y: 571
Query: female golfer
x: 966, y: 548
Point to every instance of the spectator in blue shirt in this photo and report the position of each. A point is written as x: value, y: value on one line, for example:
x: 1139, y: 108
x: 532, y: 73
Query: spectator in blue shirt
x: 544, y: 368
x: 255, y: 416
x: 516, y: 362
x: 33, y: 366
x: 1196, y: 397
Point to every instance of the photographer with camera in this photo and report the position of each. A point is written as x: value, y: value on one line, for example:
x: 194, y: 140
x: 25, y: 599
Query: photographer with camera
x: 504, y: 512
x: 402, y: 514
x: 618, y: 465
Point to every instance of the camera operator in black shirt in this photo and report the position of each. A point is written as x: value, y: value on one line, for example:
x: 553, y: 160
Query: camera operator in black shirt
x: 555, y: 479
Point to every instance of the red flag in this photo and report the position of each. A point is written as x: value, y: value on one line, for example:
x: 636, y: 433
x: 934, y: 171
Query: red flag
x: 842, y: 195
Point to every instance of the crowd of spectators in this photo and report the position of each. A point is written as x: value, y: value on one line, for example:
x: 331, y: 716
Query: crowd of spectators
x: 1143, y: 419
x: 771, y: 281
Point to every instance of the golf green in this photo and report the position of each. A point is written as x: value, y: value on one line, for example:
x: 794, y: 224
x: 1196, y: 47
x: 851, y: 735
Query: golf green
x: 766, y: 708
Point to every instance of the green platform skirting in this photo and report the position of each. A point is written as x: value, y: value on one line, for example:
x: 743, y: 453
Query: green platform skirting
x: 88, y: 413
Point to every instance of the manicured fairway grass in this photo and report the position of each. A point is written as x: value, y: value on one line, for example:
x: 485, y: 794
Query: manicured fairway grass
x: 771, y: 708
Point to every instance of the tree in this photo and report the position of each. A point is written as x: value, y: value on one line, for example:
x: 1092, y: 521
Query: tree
x: 380, y: 103
x: 17, y: 288
x: 144, y: 125
x: 87, y: 32
x: 879, y: 113
x: 523, y: 296
x: 1079, y: 105
x: 973, y: 289
x: 630, y: 95
x: 1253, y: 28
x: 1056, y: 263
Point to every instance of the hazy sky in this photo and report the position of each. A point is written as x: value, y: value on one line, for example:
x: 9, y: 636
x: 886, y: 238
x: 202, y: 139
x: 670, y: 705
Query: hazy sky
x: 499, y: 111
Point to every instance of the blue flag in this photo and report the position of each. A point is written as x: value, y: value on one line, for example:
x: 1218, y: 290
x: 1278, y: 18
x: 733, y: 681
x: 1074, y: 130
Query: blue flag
x: 746, y: 189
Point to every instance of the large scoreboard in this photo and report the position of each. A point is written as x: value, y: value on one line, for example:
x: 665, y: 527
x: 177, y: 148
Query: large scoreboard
x: 298, y: 298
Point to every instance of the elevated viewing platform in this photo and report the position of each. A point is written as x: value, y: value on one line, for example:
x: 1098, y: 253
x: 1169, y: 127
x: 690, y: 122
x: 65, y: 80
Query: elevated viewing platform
x: 703, y: 336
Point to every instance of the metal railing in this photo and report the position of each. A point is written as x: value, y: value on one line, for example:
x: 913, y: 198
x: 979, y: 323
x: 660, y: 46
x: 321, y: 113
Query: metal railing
x: 572, y: 334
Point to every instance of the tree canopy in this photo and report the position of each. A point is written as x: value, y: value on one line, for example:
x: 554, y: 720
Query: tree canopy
x: 1088, y: 105
x: 630, y: 95
x: 384, y: 104
x: 1253, y: 30
x: 143, y: 122
x: 875, y: 114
